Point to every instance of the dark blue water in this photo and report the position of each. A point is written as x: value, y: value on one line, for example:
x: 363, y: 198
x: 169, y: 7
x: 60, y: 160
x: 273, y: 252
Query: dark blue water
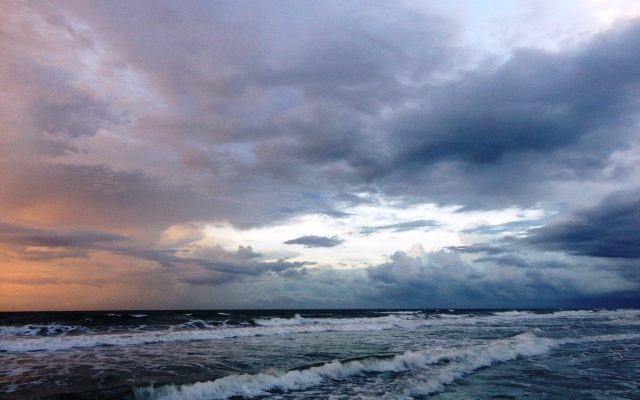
x: 324, y: 354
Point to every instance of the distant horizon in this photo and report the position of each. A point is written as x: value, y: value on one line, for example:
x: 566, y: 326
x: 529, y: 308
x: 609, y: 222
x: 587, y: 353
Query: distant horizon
x: 443, y: 309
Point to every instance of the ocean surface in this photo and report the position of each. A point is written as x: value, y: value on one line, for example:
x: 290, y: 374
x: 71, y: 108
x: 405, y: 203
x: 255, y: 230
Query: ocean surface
x: 321, y: 354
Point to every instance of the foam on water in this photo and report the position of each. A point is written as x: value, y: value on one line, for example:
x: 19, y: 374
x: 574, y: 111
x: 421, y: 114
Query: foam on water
x: 600, y: 338
x: 494, y: 354
x: 298, y: 320
x: 461, y: 361
x: 58, y: 337
x: 40, y: 330
x: 194, y: 324
x: 284, y: 327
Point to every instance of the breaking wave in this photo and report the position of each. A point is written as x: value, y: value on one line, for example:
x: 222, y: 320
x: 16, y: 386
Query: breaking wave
x: 200, y: 330
x: 492, y: 354
x: 61, y: 337
x: 460, y: 361
x: 451, y: 364
x: 41, y: 330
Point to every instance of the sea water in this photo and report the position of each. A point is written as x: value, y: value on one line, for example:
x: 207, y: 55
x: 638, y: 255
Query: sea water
x: 322, y: 354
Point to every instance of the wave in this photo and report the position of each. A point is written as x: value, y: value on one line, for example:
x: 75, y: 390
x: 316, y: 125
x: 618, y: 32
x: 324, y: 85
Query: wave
x: 398, y: 312
x: 461, y: 359
x: 196, y: 324
x: 490, y: 355
x: 312, y: 325
x: 600, y: 338
x: 451, y: 364
x: 61, y: 337
x: 298, y: 320
x: 41, y: 330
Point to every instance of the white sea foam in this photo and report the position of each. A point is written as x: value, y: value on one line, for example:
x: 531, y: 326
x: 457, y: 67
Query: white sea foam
x: 489, y: 355
x: 461, y: 362
x: 194, y: 324
x: 513, y: 313
x: 311, y: 325
x: 398, y: 312
x: 523, y: 345
x: 600, y: 338
x: 19, y: 339
x: 465, y: 359
x: 40, y: 330
x: 298, y: 320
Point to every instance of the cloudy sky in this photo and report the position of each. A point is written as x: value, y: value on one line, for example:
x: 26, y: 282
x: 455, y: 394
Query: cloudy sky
x: 252, y: 154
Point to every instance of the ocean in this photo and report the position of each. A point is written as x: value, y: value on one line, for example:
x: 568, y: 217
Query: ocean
x: 321, y: 354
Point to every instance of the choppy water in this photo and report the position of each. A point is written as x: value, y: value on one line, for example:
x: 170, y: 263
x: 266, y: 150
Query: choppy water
x: 440, y: 354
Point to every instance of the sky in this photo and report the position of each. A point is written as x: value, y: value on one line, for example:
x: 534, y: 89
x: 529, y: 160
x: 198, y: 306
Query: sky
x: 325, y: 154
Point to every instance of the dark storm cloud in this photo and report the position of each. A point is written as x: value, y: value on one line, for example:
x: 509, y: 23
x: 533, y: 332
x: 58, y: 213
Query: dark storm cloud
x: 335, y: 214
x: 45, y: 244
x: 478, y: 248
x: 511, y: 260
x: 25, y: 236
x: 82, y: 115
x: 314, y: 100
x: 46, y: 105
x: 216, y: 272
x: 443, y: 279
x: 211, y: 265
x: 253, y: 268
x: 508, y: 260
x: 351, y: 59
x: 216, y: 265
x: 134, y: 117
x: 610, y: 230
x: 535, y: 102
x: 315, y: 241
x: 420, y: 224
x: 97, y: 196
x: 500, y: 228
x: 497, y: 136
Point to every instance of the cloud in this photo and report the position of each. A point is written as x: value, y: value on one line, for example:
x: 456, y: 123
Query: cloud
x: 47, y: 244
x: 211, y: 265
x: 500, y: 135
x: 315, y: 241
x: 215, y: 264
x: 478, y: 248
x: 401, y: 226
x: 441, y: 278
x: 25, y: 236
x: 393, y: 107
x: 82, y: 115
x: 336, y: 214
x: 487, y: 229
x: 97, y: 196
x: 121, y: 145
x: 609, y: 230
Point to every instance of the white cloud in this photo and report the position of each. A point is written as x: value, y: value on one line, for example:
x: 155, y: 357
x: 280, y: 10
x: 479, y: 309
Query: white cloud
x: 358, y: 249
